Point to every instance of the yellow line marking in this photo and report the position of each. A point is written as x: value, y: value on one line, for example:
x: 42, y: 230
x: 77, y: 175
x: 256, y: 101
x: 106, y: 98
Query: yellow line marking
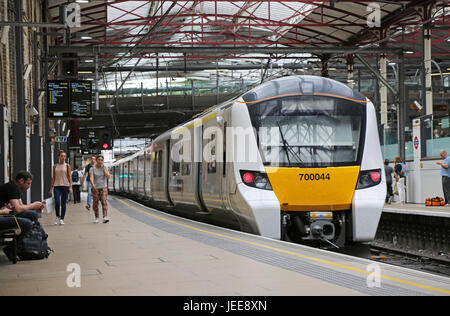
x: 342, y: 266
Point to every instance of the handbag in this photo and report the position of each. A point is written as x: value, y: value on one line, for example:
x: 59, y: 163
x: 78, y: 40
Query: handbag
x: 395, y: 191
x: 49, y: 205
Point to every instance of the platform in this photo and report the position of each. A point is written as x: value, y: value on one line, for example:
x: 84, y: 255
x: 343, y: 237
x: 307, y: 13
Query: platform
x: 147, y: 252
x: 417, y: 209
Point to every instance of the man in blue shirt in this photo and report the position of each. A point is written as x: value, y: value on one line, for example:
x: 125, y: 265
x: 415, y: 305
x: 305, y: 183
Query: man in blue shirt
x: 445, y: 173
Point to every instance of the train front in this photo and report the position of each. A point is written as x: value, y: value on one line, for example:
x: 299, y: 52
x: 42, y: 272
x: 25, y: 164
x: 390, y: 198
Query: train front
x: 319, y: 143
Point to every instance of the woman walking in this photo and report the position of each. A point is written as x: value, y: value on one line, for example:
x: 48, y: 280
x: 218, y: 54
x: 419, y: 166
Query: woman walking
x: 61, y: 186
x: 99, y: 176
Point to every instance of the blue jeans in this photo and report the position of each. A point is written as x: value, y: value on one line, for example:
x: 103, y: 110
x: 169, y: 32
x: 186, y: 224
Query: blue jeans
x: 60, y: 194
x: 89, y: 187
x: 31, y: 215
x: 8, y: 222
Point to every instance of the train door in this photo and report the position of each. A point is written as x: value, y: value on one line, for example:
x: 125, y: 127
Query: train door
x: 121, y: 177
x: 147, y: 185
x: 126, y: 176
x: 212, y: 173
x: 197, y: 147
x: 225, y: 165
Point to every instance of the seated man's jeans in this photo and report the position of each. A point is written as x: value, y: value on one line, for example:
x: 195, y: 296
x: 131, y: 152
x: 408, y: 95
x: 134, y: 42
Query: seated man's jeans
x: 8, y: 222
x: 31, y: 215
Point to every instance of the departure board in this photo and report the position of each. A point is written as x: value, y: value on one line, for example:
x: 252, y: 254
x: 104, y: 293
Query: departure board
x: 58, y: 98
x: 81, y: 99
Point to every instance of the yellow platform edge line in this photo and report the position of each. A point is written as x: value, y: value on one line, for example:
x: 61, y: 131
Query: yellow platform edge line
x: 296, y: 254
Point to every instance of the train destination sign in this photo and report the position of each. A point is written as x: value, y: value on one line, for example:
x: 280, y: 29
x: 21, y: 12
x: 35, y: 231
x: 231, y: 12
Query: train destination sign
x: 81, y: 99
x: 58, y: 98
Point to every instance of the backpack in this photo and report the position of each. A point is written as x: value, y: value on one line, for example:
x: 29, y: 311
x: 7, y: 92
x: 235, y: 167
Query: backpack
x: 435, y: 201
x: 33, y: 245
x: 75, y: 176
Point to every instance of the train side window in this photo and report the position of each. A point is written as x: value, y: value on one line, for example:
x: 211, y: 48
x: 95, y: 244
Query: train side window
x: 157, y: 163
x: 185, y: 168
x: 212, y: 164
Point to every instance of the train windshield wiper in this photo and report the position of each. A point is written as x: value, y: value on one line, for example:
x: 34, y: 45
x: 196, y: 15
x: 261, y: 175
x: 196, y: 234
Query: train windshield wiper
x: 288, y: 148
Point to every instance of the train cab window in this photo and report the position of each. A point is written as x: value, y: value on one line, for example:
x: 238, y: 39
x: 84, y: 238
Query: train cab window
x: 309, y: 131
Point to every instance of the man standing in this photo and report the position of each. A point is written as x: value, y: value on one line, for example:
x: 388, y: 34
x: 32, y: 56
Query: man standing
x: 445, y: 173
x: 86, y: 175
x: 389, y: 171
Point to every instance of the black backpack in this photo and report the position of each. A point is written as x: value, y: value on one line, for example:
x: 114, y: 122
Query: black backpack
x: 33, y: 245
x: 75, y: 176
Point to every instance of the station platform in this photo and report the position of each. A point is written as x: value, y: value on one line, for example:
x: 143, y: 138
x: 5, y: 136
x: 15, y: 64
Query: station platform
x: 418, y: 209
x: 142, y: 251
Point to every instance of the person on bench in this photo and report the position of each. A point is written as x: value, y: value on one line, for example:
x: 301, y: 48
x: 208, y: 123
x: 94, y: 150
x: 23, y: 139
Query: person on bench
x: 11, y: 204
x: 10, y: 197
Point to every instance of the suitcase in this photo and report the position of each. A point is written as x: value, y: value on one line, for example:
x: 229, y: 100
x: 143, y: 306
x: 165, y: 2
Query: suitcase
x: 435, y: 201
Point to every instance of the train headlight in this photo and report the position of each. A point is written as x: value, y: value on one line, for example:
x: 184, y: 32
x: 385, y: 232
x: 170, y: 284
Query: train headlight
x: 256, y: 179
x: 369, y: 178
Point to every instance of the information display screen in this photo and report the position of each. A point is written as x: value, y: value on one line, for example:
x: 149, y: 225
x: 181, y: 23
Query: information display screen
x: 81, y: 99
x: 58, y: 95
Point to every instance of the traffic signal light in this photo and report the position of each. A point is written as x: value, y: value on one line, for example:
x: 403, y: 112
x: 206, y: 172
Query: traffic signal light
x: 105, y: 140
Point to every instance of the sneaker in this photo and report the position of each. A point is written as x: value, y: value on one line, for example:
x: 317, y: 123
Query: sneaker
x: 57, y: 221
x: 61, y: 222
x: 105, y: 220
x: 96, y: 220
x: 88, y: 207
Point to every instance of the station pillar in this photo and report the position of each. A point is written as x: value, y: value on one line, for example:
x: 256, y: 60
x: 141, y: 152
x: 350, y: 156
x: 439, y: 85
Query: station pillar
x: 384, y: 92
x: 421, y: 132
x: 4, y: 145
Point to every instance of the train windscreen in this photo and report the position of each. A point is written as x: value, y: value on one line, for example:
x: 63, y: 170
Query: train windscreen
x: 309, y: 131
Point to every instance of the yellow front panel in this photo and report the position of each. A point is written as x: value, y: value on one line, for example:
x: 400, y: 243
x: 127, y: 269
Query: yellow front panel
x: 314, y: 189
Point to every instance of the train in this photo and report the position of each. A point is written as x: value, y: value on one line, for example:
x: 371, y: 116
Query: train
x: 296, y: 158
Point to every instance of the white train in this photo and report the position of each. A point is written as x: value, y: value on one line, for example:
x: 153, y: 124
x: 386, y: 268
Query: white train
x: 297, y: 158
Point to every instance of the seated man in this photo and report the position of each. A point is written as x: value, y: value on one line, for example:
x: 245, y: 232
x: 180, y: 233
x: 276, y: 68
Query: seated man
x: 10, y: 197
x: 11, y: 203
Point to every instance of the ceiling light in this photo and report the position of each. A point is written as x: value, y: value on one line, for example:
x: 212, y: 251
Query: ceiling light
x: 81, y: 35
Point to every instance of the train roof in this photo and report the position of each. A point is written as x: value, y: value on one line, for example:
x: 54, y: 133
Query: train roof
x: 291, y: 85
x: 305, y: 85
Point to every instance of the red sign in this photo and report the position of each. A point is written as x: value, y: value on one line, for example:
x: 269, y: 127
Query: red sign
x: 416, y: 142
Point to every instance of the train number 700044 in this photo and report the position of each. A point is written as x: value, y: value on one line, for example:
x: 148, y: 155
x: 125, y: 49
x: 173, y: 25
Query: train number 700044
x: 314, y: 176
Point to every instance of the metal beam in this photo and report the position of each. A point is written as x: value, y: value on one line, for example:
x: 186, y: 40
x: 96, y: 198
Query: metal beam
x: 222, y: 50
x: 401, y: 108
x: 377, y: 74
x: 31, y: 24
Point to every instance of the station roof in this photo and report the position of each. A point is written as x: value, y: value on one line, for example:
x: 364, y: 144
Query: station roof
x: 149, y: 47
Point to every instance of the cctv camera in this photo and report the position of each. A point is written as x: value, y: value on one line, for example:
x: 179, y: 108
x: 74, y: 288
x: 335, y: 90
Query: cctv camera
x: 419, y: 106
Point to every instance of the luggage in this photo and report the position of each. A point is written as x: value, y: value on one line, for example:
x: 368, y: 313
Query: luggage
x: 435, y: 201
x: 33, y: 245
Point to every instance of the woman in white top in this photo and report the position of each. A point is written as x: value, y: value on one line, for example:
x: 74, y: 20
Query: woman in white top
x: 61, y: 186
x: 99, y: 176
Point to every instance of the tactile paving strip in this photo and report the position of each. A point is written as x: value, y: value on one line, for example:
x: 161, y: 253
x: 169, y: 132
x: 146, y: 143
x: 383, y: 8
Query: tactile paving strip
x: 267, y: 256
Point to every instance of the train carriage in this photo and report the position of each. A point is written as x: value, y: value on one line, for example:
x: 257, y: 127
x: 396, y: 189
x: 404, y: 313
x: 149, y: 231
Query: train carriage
x: 297, y: 158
